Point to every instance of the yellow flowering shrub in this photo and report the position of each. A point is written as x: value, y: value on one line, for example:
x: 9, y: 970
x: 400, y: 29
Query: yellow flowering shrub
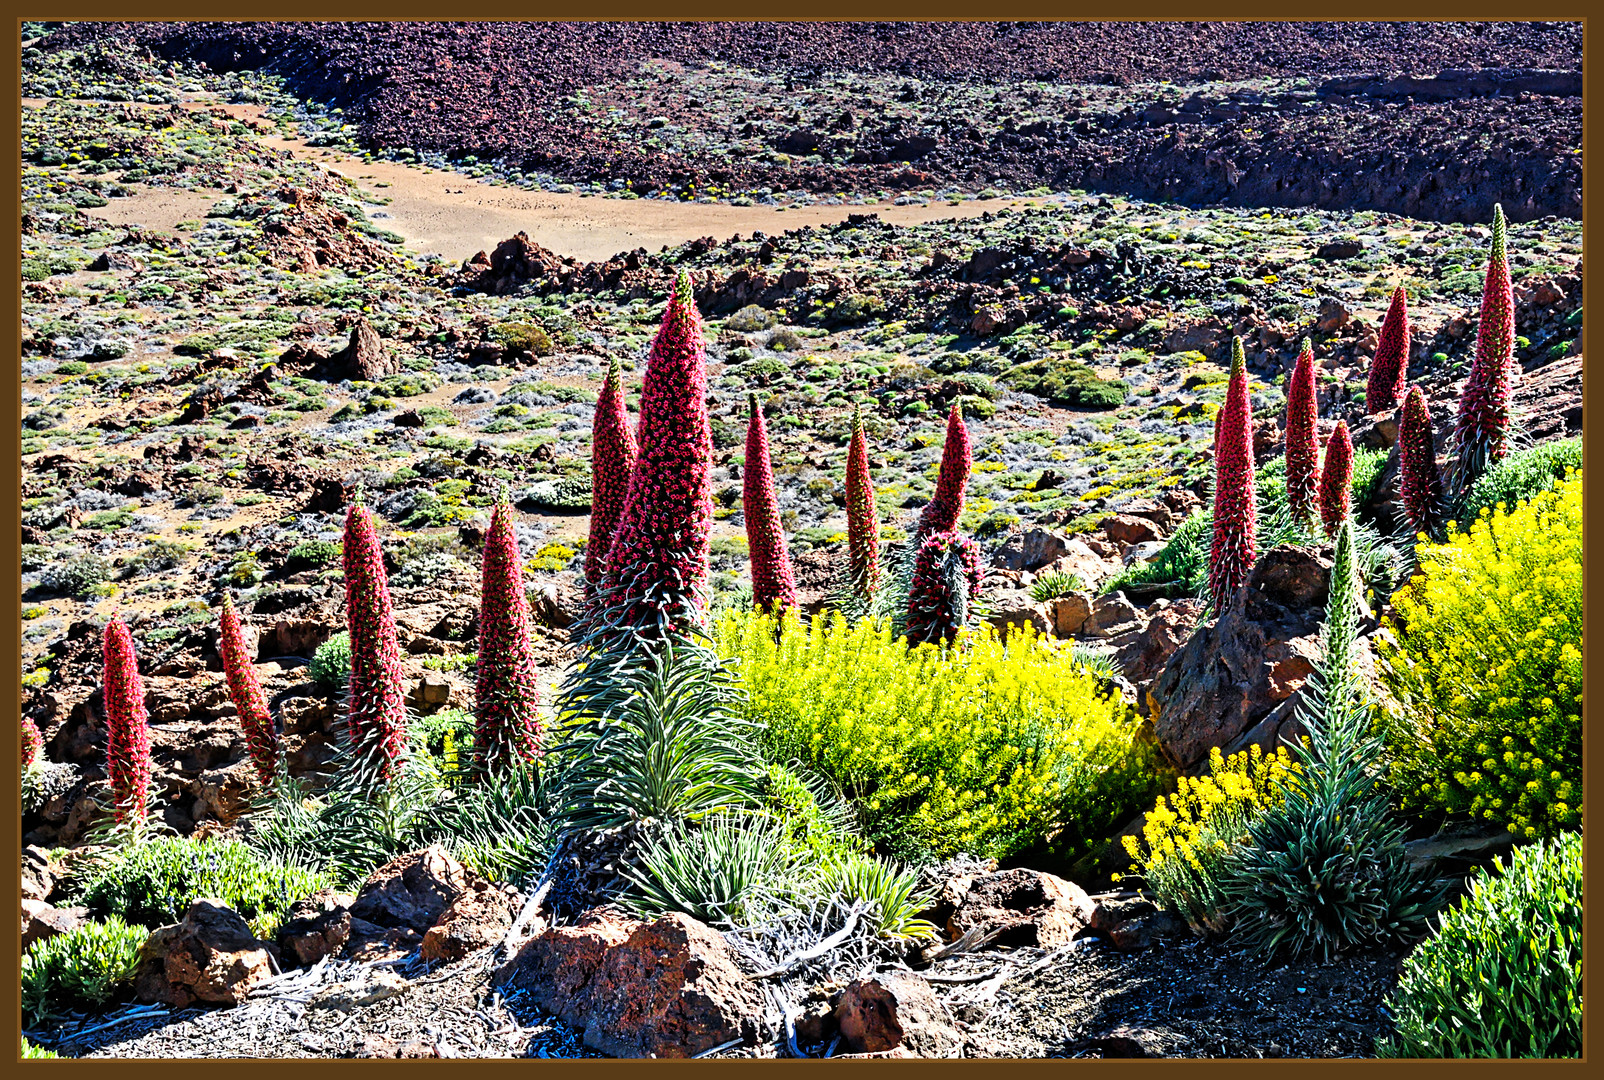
x: 1485, y: 660
x: 987, y: 747
x: 1186, y: 834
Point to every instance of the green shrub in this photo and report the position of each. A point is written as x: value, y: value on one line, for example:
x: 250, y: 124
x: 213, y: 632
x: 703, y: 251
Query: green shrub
x: 331, y: 663
x: 750, y: 318
x: 990, y: 748
x: 1066, y: 382
x: 1053, y: 584
x: 1502, y: 977
x: 78, y: 576
x: 155, y: 882
x: 706, y: 870
x: 83, y: 970
x: 29, y: 1050
x: 525, y: 337
x: 1484, y: 659
x: 314, y: 553
x: 891, y: 892
x: 1520, y: 476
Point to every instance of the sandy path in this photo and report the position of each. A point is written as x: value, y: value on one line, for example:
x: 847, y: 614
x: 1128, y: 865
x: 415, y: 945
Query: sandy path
x: 448, y: 214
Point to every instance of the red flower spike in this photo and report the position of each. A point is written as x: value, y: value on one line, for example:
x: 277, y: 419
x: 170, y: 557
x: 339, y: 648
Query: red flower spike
x: 946, y: 579
x: 245, y: 689
x: 1419, y: 484
x: 1390, y: 365
x: 863, y: 525
x: 378, y: 717
x: 1336, y: 478
x: 612, y: 459
x: 127, y: 726
x: 657, y: 568
x: 506, y: 722
x: 773, y: 586
x: 1303, y: 448
x: 942, y: 512
x: 1235, y: 503
x: 1481, y: 433
x: 33, y: 743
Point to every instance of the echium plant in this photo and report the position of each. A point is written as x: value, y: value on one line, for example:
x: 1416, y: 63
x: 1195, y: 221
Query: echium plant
x: 1482, y: 430
x: 245, y: 690
x: 1390, y: 365
x: 127, y: 727
x: 33, y: 743
x: 1235, y: 503
x: 655, y: 582
x: 946, y: 580
x: 940, y: 515
x: 773, y: 586
x: 1420, y: 486
x: 863, y: 525
x: 506, y: 696
x: 1303, y: 448
x: 377, y: 712
x: 612, y: 459
x: 1336, y: 479
x: 1325, y: 871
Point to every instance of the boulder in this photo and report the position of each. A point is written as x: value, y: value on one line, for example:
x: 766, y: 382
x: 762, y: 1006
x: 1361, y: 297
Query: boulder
x: 896, y: 1011
x: 1031, y: 549
x: 224, y: 793
x: 1111, y: 615
x: 1130, y: 924
x: 411, y: 891
x: 364, y: 356
x: 1128, y: 529
x: 557, y: 966
x: 477, y: 919
x: 1016, y: 607
x: 41, y: 922
x: 1069, y: 613
x: 1376, y: 432
x: 210, y: 957
x: 316, y: 926
x: 1166, y: 631
x: 38, y: 873
x: 1024, y: 907
x: 671, y: 990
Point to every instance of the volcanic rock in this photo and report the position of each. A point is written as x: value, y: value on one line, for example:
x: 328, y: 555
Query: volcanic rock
x: 210, y: 957
x: 896, y: 1011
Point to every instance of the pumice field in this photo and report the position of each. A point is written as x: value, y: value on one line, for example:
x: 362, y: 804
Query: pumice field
x: 775, y: 540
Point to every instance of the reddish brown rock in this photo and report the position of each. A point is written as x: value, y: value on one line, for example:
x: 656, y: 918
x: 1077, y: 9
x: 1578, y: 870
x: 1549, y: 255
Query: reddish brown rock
x: 411, y: 891
x: 1029, y: 907
x: 315, y: 927
x: 896, y: 1012
x: 1131, y: 924
x: 1128, y: 529
x: 558, y: 965
x: 477, y: 919
x: 1069, y: 613
x: 41, y: 922
x: 1166, y: 631
x: 364, y: 356
x: 210, y: 957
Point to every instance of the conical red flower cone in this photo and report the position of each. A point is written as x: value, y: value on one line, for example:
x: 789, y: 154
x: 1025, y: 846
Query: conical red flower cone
x: 1419, y: 484
x: 773, y: 586
x: 863, y: 525
x: 506, y: 721
x: 1390, y: 365
x: 246, y: 691
x: 1235, y: 502
x: 946, y: 579
x: 1336, y: 478
x: 1481, y: 433
x: 1303, y: 448
x: 656, y: 574
x: 612, y: 459
x: 127, y: 726
x: 941, y: 514
x: 378, y: 714
x: 33, y: 743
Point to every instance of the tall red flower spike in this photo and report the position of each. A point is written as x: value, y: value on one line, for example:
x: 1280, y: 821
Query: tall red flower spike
x: 1390, y: 365
x: 506, y: 722
x: 863, y: 524
x: 127, y: 726
x: 946, y: 579
x: 612, y: 459
x: 1235, y: 502
x: 1419, y: 484
x: 1481, y: 433
x: 1336, y: 478
x: 773, y: 586
x: 33, y: 743
x: 246, y: 691
x: 657, y: 565
x: 378, y: 714
x: 941, y: 513
x: 1303, y: 448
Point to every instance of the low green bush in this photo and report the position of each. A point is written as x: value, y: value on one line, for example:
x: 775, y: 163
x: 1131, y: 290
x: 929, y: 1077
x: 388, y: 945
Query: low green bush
x: 1521, y: 476
x: 83, y: 970
x: 331, y: 662
x: 1066, y: 382
x: 1502, y: 976
x: 992, y: 747
x: 155, y: 882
